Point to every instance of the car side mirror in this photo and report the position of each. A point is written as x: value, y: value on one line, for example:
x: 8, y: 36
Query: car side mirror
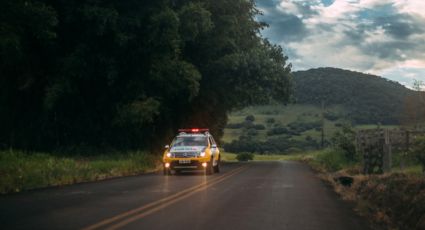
x: 167, y: 147
x: 213, y: 146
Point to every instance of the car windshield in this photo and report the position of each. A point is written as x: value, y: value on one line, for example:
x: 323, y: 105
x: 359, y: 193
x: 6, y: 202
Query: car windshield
x: 190, y: 141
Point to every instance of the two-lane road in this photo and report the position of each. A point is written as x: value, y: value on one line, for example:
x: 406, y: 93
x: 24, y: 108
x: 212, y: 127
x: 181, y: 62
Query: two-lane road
x: 256, y: 195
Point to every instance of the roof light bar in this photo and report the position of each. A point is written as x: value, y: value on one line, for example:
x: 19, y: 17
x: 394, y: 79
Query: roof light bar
x: 193, y: 130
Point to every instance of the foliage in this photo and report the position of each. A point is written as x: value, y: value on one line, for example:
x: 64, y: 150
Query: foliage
x: 250, y: 118
x: 398, y: 197
x: 277, y: 131
x: 128, y: 74
x: 368, y: 99
x: 344, y: 141
x: 245, y: 157
x: 270, y: 120
x: 331, y: 159
x: 21, y: 171
x: 418, y: 151
x: 281, y: 145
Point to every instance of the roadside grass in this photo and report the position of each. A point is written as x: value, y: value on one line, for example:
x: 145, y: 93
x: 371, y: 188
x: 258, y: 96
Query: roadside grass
x: 231, y: 157
x: 23, y: 171
x: 392, y: 200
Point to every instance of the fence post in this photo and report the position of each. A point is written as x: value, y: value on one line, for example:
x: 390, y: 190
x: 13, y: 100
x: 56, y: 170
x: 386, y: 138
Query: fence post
x: 387, y: 158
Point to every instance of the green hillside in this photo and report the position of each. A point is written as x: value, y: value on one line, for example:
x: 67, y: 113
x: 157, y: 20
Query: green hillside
x: 368, y: 99
x: 349, y: 98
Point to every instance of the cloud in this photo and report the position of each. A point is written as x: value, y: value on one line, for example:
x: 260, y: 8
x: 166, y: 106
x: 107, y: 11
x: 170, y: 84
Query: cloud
x: 384, y: 37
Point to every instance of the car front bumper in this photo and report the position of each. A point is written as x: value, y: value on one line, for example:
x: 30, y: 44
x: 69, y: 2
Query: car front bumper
x: 186, y: 164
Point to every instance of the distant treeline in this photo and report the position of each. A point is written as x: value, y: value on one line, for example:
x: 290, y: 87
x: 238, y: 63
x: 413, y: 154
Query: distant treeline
x: 126, y: 73
x: 368, y: 99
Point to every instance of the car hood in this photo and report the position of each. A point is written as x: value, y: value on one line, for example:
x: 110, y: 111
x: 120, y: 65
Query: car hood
x: 177, y: 149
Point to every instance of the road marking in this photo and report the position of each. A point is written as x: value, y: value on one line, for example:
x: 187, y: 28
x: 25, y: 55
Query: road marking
x: 159, y: 204
x: 164, y: 205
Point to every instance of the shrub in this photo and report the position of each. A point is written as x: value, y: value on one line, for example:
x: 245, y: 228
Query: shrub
x: 270, y: 120
x: 418, y: 151
x: 250, y: 118
x: 259, y: 127
x: 344, y: 140
x: 245, y: 157
x: 277, y: 131
x: 331, y: 116
x: 332, y: 159
x: 234, y: 125
x: 251, y: 132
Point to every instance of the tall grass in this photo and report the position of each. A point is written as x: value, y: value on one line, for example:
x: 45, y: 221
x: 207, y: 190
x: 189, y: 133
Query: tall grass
x: 21, y: 171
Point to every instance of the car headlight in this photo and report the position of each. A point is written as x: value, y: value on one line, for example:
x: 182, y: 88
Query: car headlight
x: 168, y: 154
x: 202, y: 154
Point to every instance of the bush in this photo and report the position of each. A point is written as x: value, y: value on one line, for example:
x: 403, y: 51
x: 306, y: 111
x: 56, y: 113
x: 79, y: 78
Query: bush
x: 332, y: 160
x: 259, y: 127
x: 251, y: 132
x: 245, y: 157
x: 234, y: 125
x: 344, y: 140
x: 331, y: 116
x: 418, y: 151
x: 270, y: 120
x: 250, y: 118
x: 277, y: 131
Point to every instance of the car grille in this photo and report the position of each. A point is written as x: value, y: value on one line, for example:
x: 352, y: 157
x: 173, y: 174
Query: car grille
x: 185, y: 154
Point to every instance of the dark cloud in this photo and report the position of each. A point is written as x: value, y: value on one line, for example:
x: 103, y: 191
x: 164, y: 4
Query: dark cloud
x: 400, y: 26
x: 373, y: 36
x: 284, y: 27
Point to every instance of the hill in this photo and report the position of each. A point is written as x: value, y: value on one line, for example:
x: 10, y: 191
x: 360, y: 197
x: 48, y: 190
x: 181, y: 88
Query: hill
x: 357, y: 99
x: 368, y: 99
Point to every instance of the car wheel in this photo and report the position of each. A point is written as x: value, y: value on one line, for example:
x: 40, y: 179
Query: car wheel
x: 210, y: 168
x: 217, y: 167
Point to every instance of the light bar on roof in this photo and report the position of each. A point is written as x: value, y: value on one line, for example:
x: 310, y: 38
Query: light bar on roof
x: 193, y: 130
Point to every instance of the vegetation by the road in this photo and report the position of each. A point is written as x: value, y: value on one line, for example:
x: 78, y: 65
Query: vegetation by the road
x: 287, y: 129
x: 22, y: 171
x: 128, y: 74
x: 392, y: 200
x: 232, y: 157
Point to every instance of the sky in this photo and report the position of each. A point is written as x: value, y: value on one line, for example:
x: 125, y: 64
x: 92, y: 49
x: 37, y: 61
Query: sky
x: 381, y: 37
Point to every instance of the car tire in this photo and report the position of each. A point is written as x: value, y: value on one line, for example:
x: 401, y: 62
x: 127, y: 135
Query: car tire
x: 217, y: 167
x: 210, y: 168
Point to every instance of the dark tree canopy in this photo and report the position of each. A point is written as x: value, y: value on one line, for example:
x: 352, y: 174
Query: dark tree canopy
x: 128, y: 73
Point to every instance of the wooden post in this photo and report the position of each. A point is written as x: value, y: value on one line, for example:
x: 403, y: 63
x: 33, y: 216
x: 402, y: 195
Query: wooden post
x: 322, y: 134
x: 387, y: 158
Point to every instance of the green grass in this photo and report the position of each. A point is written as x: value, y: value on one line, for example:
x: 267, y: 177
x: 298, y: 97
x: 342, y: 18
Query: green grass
x: 21, y: 171
x: 411, y: 170
x: 283, y: 115
x: 374, y: 126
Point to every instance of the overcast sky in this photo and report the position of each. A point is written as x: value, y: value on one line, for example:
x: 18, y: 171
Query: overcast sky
x: 382, y: 37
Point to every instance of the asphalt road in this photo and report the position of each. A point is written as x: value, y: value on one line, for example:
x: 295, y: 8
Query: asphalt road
x: 256, y: 195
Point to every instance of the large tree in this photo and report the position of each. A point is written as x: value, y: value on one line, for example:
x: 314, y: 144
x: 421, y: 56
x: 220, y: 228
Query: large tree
x: 128, y: 73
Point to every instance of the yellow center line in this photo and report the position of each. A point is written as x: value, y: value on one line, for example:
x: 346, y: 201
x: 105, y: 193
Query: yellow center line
x: 164, y: 205
x: 163, y: 200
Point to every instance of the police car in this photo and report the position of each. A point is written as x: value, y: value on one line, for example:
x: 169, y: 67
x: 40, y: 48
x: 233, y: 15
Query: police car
x: 192, y: 149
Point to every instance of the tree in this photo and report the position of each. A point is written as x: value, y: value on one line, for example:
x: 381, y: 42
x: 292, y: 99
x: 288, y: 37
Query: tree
x: 128, y: 74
